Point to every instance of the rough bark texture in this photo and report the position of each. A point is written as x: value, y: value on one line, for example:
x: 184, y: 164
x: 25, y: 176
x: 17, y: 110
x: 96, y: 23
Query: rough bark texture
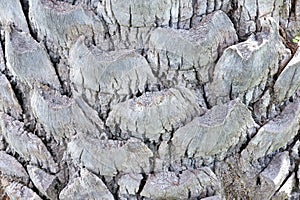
x: 161, y: 99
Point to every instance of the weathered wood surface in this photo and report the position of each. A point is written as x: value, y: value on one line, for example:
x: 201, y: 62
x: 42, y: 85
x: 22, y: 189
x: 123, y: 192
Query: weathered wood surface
x: 162, y: 99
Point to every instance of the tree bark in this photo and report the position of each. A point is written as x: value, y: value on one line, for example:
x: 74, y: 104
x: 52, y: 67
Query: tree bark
x: 162, y: 99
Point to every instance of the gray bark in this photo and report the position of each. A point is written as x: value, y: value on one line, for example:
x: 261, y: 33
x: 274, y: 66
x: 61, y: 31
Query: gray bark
x: 140, y: 100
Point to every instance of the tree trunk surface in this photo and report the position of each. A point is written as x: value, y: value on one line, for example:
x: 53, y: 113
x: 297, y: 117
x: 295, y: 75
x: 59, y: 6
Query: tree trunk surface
x: 140, y: 100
